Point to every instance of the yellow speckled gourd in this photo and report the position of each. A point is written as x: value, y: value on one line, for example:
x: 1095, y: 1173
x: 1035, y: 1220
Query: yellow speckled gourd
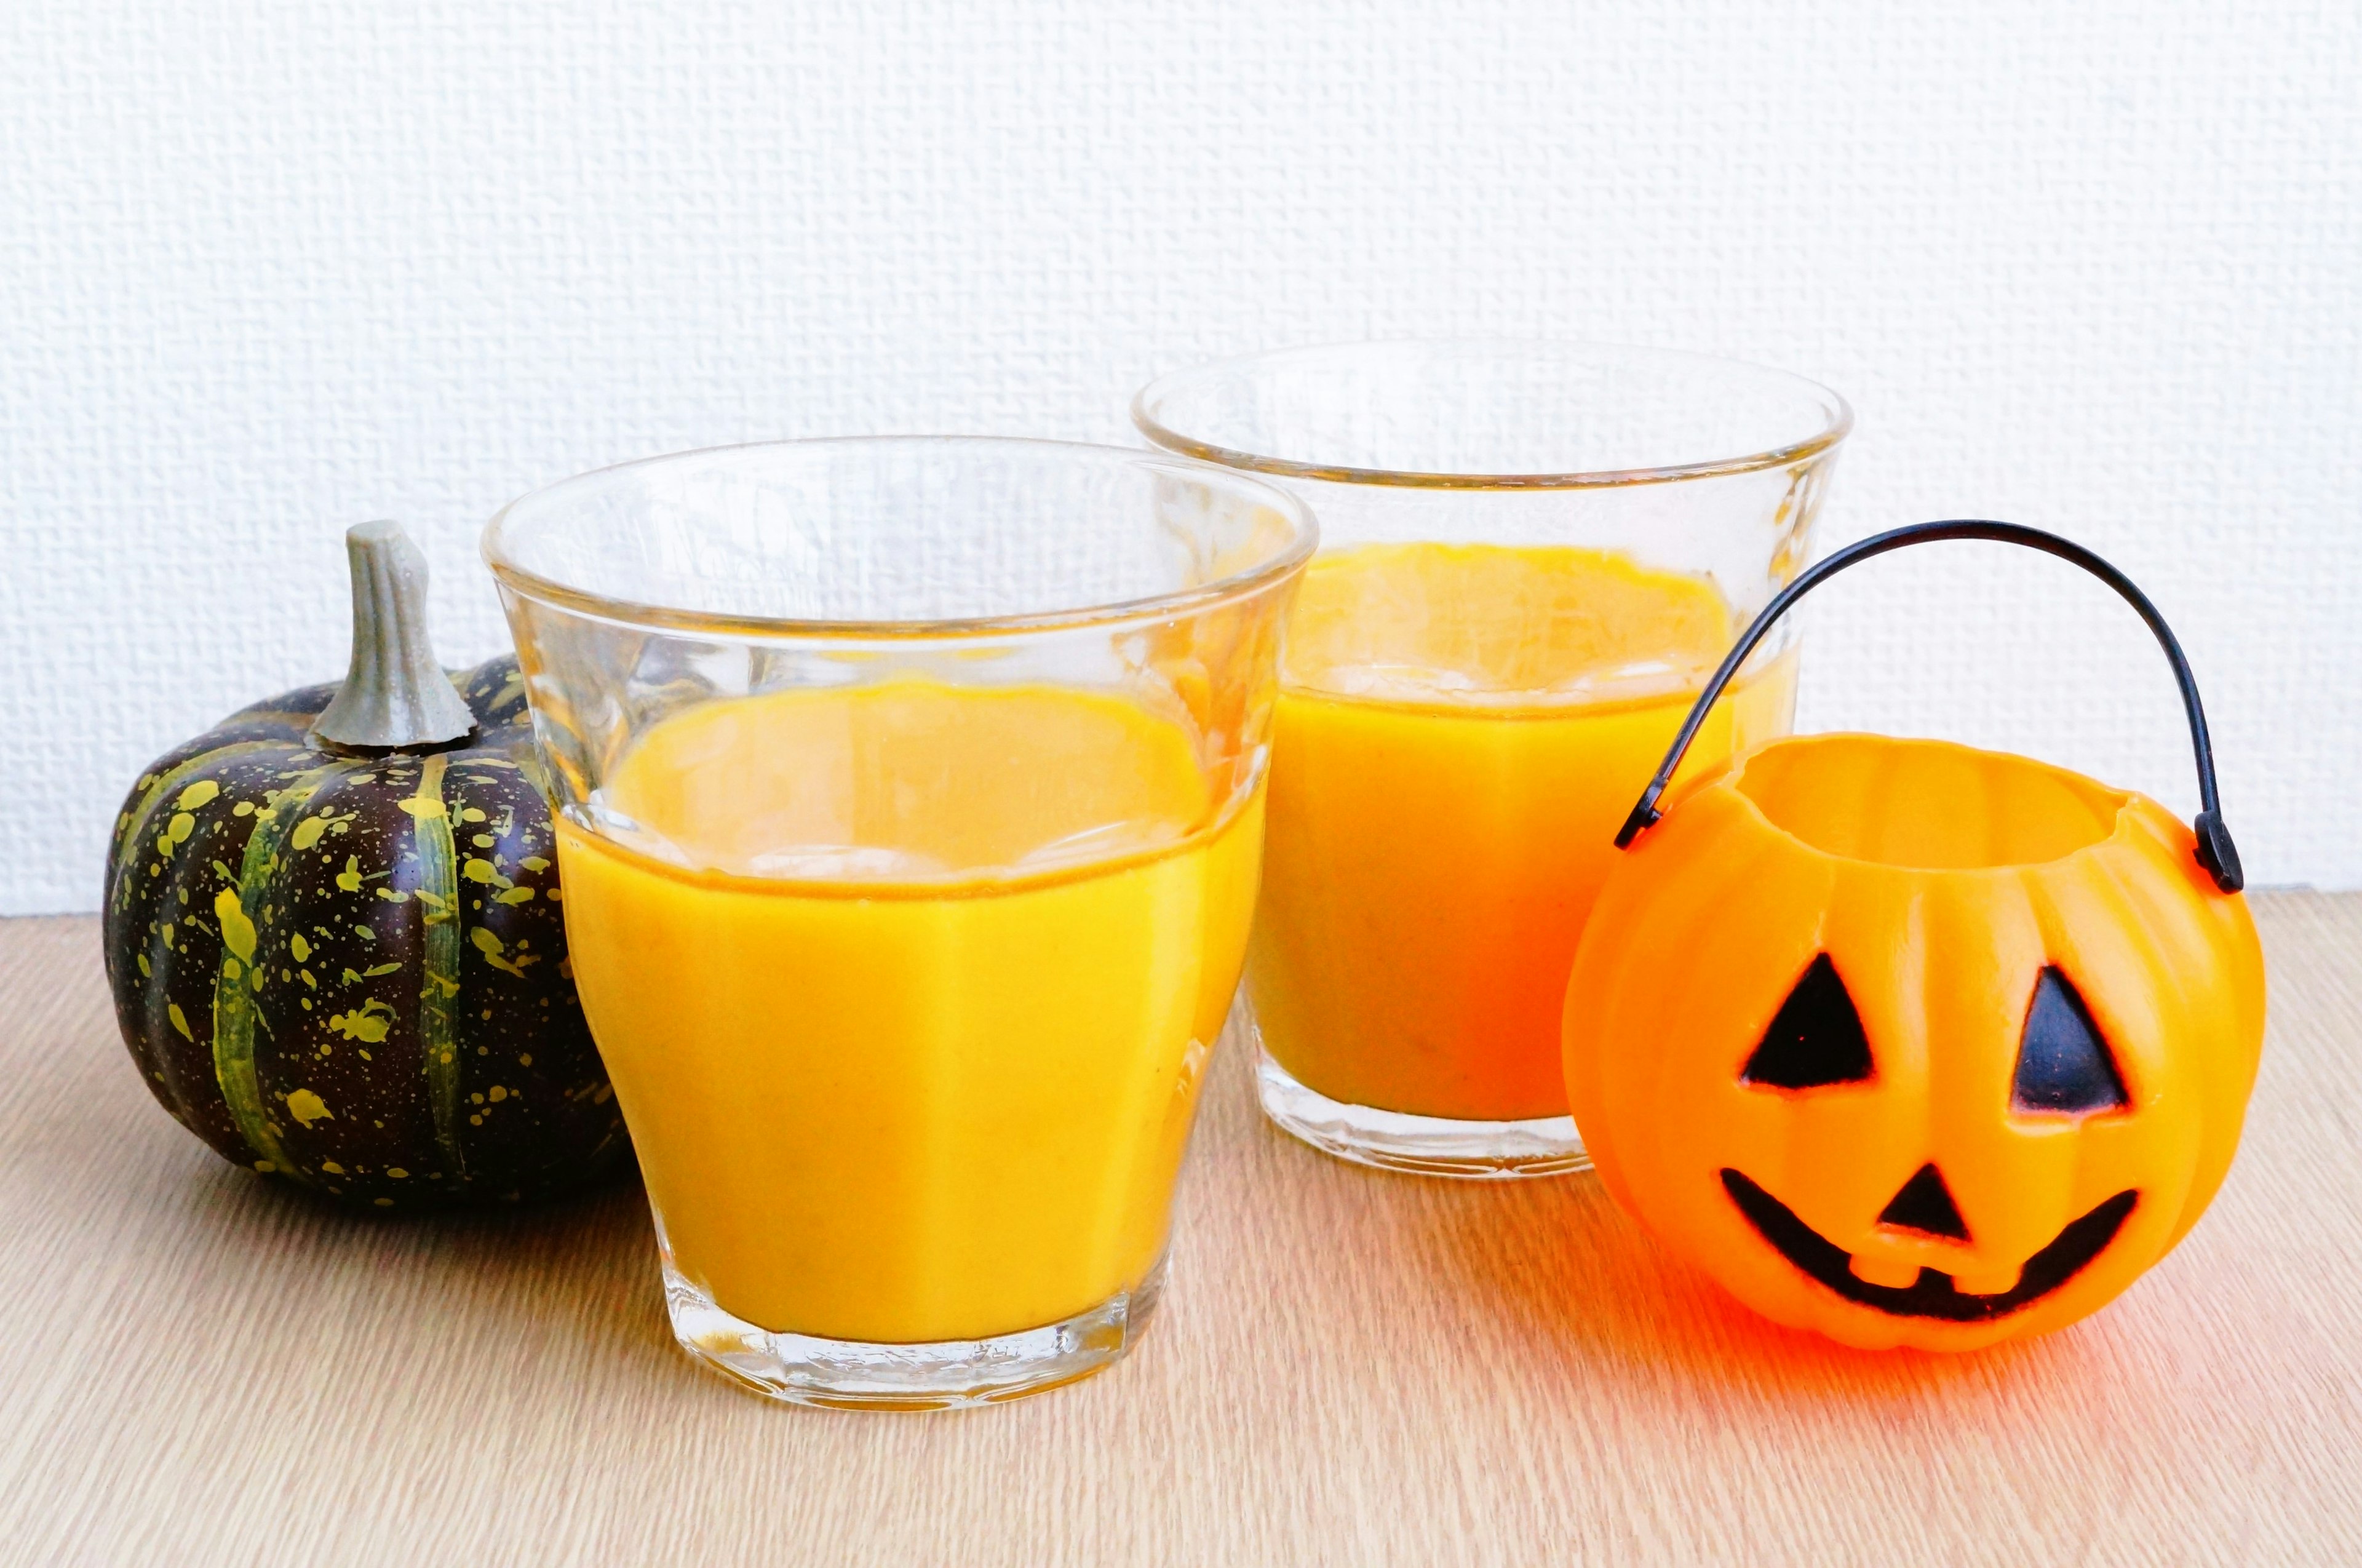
x: 334, y: 934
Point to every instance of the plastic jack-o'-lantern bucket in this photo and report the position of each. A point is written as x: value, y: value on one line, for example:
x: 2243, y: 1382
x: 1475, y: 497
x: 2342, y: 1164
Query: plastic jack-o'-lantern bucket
x: 1912, y: 1044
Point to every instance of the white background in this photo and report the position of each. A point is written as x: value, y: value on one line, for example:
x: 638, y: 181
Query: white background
x: 269, y: 271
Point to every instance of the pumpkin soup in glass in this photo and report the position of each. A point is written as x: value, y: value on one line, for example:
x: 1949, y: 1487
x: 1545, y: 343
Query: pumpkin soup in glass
x: 1535, y: 555
x: 911, y: 803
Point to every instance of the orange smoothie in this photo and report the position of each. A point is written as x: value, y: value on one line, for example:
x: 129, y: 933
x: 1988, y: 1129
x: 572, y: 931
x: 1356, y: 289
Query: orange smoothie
x: 906, y: 993
x: 1461, y: 731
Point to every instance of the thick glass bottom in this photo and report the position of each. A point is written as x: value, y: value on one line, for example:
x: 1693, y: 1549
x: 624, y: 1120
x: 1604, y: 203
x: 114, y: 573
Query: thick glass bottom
x: 1422, y: 1145
x: 807, y: 1369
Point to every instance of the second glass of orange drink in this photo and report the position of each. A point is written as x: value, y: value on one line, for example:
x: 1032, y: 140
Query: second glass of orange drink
x: 1533, y: 556
x: 911, y: 805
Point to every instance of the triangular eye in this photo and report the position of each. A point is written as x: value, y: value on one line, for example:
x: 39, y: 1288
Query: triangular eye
x: 1816, y: 1038
x: 2062, y: 1062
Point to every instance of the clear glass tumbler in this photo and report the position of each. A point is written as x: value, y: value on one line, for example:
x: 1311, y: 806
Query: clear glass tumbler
x: 911, y: 814
x: 1533, y: 554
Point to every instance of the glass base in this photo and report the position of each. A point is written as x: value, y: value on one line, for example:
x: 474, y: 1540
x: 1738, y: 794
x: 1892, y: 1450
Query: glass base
x: 1422, y: 1145
x: 857, y: 1374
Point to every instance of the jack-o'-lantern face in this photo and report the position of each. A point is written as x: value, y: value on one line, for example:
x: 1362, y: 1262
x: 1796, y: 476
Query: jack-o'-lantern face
x: 1914, y: 1044
x: 2064, y: 1069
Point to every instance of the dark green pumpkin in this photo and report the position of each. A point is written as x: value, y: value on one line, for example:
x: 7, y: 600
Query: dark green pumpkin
x: 346, y: 964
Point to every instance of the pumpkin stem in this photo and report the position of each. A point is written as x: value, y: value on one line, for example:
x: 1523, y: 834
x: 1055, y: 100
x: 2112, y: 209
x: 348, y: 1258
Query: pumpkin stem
x: 395, y: 696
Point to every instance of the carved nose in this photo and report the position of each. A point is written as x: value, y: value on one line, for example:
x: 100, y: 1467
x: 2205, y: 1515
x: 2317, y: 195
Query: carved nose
x: 1926, y: 1204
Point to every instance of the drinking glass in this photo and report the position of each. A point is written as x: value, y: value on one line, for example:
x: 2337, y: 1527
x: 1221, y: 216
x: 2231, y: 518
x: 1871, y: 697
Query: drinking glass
x: 1533, y: 554
x: 911, y: 808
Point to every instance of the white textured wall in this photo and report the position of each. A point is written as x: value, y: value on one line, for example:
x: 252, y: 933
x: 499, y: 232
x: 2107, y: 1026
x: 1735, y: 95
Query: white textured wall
x: 267, y: 270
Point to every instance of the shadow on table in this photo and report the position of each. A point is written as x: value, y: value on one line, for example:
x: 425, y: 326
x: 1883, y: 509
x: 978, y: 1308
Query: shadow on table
x: 86, y: 1149
x: 584, y: 1261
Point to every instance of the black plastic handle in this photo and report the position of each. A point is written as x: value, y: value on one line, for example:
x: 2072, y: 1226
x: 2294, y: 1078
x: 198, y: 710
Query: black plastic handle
x: 2215, y: 851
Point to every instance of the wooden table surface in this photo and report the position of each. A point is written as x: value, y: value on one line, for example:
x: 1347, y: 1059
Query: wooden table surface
x: 202, y: 1367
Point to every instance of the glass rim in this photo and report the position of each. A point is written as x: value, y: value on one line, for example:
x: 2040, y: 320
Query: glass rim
x: 1834, y: 430
x: 1304, y: 531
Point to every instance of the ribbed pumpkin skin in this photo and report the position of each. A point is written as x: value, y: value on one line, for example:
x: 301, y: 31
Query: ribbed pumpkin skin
x: 1710, y: 920
x: 351, y: 971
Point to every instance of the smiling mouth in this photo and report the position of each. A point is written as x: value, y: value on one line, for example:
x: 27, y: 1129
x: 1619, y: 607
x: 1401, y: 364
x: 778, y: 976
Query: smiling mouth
x: 1933, y: 1294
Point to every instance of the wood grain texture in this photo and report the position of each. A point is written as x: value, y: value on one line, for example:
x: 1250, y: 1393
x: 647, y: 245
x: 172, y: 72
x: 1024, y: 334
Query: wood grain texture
x: 201, y: 1367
